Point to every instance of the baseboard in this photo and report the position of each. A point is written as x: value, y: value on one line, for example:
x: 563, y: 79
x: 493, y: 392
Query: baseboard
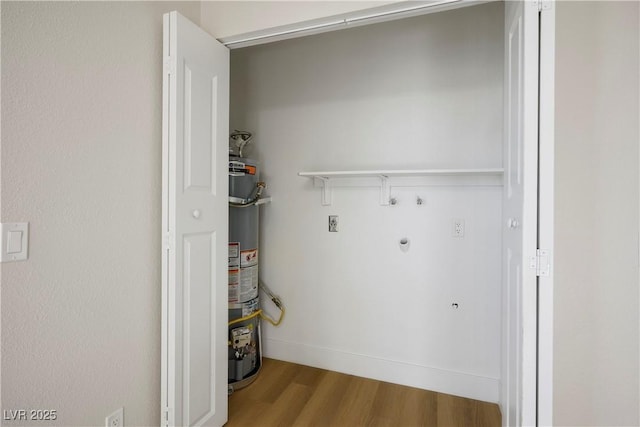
x: 424, y: 377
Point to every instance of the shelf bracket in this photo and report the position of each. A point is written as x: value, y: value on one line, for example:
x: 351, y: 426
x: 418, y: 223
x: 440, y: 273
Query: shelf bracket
x: 385, y: 190
x: 326, y: 190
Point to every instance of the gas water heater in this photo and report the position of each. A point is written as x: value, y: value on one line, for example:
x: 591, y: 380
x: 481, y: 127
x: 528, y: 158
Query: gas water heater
x: 245, y: 190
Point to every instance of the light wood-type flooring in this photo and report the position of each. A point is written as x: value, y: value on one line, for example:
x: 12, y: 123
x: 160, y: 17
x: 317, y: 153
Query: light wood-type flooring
x: 286, y: 394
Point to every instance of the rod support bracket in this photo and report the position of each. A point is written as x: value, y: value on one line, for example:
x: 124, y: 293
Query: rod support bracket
x: 385, y: 190
x: 326, y: 190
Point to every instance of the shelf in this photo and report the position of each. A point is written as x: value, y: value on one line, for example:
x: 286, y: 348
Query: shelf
x: 401, y: 178
x: 408, y: 172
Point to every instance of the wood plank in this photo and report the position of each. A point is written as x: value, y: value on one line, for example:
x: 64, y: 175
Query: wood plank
x: 286, y: 409
x: 245, y: 412
x: 389, y: 401
x: 274, y: 377
x: 357, y: 402
x: 321, y: 408
x: 286, y: 394
x: 309, y: 376
x: 487, y: 415
x: 420, y: 408
x: 455, y: 411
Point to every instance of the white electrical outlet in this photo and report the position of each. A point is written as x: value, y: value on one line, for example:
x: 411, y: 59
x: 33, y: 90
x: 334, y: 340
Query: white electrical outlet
x: 458, y: 228
x: 116, y: 419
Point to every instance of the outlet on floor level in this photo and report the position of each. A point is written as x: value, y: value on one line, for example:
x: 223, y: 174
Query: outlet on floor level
x: 116, y: 419
x: 458, y: 228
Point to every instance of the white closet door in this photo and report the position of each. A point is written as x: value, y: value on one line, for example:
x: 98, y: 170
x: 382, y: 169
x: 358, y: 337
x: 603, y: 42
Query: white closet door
x: 518, y: 395
x: 195, y: 225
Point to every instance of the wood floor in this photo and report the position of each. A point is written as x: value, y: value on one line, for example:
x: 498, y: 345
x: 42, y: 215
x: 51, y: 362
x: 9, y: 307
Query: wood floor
x: 286, y: 394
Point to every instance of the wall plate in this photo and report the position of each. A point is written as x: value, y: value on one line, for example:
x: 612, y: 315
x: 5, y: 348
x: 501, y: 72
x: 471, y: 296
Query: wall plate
x: 15, y: 241
x: 333, y: 223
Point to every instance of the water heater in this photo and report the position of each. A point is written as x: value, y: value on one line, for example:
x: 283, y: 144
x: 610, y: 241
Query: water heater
x: 244, y: 321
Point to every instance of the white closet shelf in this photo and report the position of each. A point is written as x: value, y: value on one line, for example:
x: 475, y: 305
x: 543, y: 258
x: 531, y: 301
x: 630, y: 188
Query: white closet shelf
x: 382, y: 178
x: 408, y: 172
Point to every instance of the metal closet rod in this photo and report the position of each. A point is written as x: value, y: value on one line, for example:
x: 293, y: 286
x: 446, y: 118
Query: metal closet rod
x: 345, y: 21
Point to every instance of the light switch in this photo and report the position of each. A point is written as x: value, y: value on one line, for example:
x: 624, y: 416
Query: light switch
x: 14, y: 242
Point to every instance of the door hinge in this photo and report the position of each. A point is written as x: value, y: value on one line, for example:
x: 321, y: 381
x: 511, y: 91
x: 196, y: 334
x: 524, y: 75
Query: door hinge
x: 544, y: 5
x: 165, y: 416
x: 540, y: 263
x: 169, y: 65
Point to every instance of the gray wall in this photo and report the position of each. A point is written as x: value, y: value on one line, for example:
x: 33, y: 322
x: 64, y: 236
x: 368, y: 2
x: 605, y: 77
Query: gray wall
x: 596, y: 264
x: 81, y: 161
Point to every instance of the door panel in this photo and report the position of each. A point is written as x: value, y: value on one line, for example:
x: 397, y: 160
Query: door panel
x: 199, y: 378
x: 195, y: 225
x: 518, y: 395
x: 200, y: 89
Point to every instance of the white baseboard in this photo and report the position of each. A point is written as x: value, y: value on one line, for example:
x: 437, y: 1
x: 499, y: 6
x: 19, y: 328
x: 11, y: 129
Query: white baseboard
x: 424, y: 377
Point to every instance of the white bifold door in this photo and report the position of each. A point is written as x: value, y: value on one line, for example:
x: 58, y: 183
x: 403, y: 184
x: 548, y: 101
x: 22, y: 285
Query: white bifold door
x: 520, y: 213
x: 195, y: 225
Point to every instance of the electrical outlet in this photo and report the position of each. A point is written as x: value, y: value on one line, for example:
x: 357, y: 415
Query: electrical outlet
x: 333, y: 223
x: 116, y: 419
x: 458, y: 228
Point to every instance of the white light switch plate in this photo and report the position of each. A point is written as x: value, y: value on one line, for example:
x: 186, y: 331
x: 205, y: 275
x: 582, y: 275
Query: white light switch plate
x: 15, y: 241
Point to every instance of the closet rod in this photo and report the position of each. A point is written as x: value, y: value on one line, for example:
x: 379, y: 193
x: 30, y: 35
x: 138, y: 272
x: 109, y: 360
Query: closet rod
x: 285, y: 32
x: 344, y: 21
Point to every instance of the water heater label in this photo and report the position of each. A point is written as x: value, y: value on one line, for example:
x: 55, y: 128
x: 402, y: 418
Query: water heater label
x: 234, y: 284
x: 234, y: 254
x: 248, y: 283
x: 243, y: 284
x: 249, y: 258
x: 240, y: 169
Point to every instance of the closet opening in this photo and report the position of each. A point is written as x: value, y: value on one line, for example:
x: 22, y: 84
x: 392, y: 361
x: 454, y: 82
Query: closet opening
x: 401, y: 162
x: 380, y: 117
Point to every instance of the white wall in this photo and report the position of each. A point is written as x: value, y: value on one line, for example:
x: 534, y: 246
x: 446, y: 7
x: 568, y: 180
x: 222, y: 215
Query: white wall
x: 81, y: 161
x: 596, y: 364
x: 422, y: 92
x: 230, y: 18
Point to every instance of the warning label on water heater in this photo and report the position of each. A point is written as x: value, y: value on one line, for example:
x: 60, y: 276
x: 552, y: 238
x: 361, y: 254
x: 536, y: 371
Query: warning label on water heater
x: 237, y: 168
x: 249, y: 258
x: 234, y: 254
x: 243, y: 284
